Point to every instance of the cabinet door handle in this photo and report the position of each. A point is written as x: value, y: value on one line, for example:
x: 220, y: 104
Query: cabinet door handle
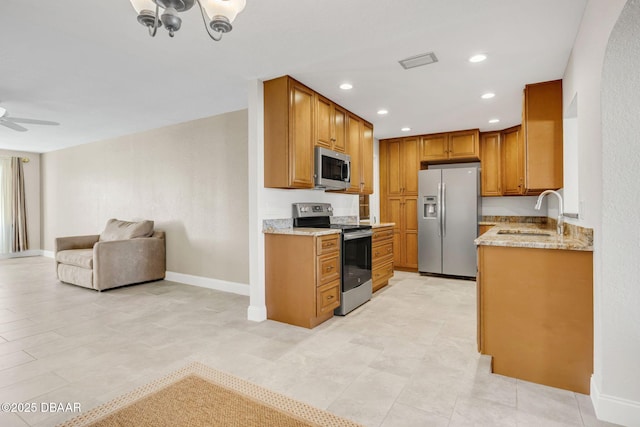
x: 330, y: 297
x: 377, y: 253
x: 329, y: 268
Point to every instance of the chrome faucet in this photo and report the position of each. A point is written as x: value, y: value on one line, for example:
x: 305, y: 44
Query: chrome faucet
x: 560, y: 223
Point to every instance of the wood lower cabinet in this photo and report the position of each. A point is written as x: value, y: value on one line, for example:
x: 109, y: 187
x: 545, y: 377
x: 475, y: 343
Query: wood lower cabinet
x: 403, y: 211
x: 535, y: 310
x: 302, y: 278
x: 484, y: 228
x: 382, y: 256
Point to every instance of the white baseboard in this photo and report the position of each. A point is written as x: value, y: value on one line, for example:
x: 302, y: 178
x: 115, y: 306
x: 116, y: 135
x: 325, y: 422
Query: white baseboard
x: 257, y: 313
x: 32, y: 252
x: 614, y: 409
x: 206, y: 282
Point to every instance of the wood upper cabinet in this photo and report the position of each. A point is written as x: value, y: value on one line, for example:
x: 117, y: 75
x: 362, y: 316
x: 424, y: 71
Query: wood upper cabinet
x: 289, y: 115
x: 491, y: 160
x: 360, y: 148
x: 512, y: 162
x: 456, y: 146
x: 367, y: 158
x: 354, y: 149
x: 542, y: 131
x: 464, y: 145
x: 402, y: 168
x: 296, y: 119
x: 434, y: 147
x: 330, y: 124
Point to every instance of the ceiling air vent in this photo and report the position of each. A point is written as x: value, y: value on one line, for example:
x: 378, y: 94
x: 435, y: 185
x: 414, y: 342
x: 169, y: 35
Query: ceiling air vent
x: 419, y: 60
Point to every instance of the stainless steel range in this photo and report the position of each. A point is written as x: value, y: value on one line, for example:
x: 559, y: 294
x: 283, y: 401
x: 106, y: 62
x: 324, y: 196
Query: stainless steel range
x: 355, y: 254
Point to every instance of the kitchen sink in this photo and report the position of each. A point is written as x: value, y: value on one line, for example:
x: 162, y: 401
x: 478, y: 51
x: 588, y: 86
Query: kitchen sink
x: 525, y: 233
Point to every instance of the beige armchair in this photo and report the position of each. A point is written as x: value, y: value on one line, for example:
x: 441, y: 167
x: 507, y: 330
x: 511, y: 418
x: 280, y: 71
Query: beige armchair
x: 125, y: 253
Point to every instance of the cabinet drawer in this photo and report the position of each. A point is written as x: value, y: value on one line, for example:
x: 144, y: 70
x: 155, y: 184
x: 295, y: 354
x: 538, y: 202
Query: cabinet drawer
x: 381, y: 251
x: 328, y: 298
x: 382, y: 274
x: 328, y: 268
x: 328, y: 243
x: 382, y: 233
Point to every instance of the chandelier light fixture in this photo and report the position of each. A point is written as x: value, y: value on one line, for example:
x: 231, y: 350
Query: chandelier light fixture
x: 217, y: 15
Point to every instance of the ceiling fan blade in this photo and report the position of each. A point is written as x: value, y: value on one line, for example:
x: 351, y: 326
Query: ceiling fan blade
x: 32, y: 121
x: 12, y: 125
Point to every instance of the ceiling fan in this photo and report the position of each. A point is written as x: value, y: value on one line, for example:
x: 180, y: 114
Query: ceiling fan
x: 12, y: 122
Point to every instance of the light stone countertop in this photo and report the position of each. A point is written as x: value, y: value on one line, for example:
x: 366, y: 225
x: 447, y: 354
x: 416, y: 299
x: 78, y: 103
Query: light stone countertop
x: 553, y: 241
x: 303, y: 231
x: 382, y: 224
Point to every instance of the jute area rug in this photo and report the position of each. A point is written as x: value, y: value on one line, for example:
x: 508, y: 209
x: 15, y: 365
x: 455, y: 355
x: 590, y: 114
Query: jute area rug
x: 198, y: 395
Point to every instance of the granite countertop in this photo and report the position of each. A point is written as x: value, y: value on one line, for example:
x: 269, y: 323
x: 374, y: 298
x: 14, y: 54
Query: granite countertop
x: 382, y: 224
x: 552, y: 241
x: 302, y: 231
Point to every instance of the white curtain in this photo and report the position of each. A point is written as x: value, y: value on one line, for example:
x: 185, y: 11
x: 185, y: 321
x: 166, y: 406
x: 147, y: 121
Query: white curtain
x: 5, y: 205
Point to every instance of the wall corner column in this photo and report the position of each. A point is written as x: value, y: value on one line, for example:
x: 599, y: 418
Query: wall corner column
x: 257, y: 310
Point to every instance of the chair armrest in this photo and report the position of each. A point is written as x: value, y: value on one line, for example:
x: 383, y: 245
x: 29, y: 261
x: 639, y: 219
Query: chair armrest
x: 75, y: 242
x: 123, y: 262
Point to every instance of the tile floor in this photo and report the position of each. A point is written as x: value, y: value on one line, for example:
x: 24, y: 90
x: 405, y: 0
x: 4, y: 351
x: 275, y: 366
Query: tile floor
x: 407, y: 358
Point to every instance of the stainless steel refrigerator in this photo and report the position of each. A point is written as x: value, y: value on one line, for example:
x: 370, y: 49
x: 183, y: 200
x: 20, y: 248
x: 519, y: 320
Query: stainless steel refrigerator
x: 448, y: 209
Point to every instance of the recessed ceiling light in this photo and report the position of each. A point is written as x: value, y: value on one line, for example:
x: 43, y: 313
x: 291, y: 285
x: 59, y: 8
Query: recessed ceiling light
x: 488, y: 95
x: 478, y: 58
x: 346, y: 86
x: 383, y: 112
x: 492, y: 121
x: 405, y: 129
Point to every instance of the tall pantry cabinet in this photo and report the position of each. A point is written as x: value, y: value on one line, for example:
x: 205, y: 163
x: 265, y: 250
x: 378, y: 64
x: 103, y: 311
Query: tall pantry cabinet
x: 399, y: 165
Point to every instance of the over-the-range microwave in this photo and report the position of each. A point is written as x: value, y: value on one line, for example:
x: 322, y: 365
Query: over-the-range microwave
x: 332, y: 169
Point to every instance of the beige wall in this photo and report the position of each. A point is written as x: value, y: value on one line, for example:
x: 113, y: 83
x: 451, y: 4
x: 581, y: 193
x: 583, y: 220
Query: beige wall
x: 32, y: 194
x: 190, y: 178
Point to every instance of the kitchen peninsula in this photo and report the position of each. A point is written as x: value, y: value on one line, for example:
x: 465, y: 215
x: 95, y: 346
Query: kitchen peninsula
x: 535, y: 303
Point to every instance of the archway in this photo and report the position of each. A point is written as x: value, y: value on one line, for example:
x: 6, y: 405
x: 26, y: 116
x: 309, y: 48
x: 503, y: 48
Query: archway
x: 620, y: 248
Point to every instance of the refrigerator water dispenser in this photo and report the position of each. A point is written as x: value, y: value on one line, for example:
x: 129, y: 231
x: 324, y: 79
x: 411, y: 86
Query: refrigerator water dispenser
x: 430, y: 207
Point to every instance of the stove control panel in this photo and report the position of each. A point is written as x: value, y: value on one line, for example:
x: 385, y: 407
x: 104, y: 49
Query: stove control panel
x: 303, y: 210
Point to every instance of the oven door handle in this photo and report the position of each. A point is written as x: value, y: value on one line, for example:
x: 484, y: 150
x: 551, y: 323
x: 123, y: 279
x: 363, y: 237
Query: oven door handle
x: 357, y: 234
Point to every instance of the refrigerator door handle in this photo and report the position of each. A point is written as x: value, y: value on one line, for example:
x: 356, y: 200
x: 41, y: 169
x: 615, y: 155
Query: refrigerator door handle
x: 443, y: 209
x: 438, y: 209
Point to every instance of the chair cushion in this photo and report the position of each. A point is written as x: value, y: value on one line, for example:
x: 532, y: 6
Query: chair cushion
x: 123, y: 230
x: 78, y: 257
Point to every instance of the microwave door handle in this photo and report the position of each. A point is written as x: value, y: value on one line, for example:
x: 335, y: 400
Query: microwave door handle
x: 348, y: 165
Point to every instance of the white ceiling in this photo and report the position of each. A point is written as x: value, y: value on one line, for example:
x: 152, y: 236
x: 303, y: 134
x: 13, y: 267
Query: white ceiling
x: 91, y: 67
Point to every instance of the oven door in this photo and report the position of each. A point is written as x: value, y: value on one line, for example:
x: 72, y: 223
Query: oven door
x: 356, y: 258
